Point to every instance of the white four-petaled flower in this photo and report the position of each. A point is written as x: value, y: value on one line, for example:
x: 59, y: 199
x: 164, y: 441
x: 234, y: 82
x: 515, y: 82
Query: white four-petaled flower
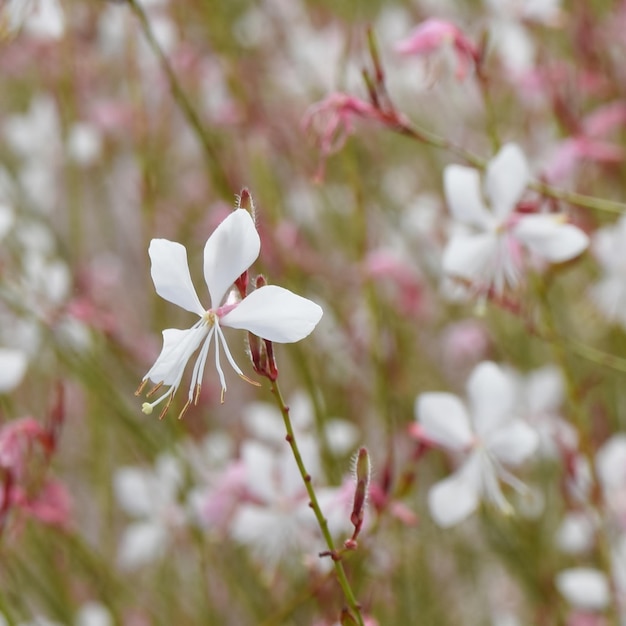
x: 488, y: 252
x: 489, y: 435
x: 271, y: 312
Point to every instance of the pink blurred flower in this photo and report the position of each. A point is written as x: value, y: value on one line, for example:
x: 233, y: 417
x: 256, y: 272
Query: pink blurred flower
x: 25, y: 450
x: 51, y: 505
x: 589, y: 144
x: 331, y: 120
x: 435, y: 35
x: 464, y: 342
x: 401, y: 276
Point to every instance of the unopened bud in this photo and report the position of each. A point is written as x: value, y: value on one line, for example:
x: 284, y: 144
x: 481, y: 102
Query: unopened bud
x: 245, y: 201
x: 262, y: 350
x: 362, y: 473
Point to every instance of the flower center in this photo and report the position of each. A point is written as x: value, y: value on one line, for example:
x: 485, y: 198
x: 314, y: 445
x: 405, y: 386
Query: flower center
x: 210, y: 318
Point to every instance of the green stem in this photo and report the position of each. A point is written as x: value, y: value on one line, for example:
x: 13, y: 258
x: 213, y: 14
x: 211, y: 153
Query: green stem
x: 321, y: 520
x: 571, y: 197
x: 218, y: 174
x: 582, y: 423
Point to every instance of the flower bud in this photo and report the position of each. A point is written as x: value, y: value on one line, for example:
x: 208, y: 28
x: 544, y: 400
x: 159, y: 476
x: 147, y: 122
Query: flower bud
x: 362, y: 472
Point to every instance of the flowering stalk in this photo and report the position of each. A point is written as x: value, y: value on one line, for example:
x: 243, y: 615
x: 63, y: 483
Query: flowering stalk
x: 362, y: 472
x: 581, y: 420
x: 219, y: 175
x: 355, y: 609
x: 397, y: 122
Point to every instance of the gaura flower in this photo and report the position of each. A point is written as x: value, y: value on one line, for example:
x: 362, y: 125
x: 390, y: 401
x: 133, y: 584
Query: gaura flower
x: 488, y: 251
x: 486, y: 433
x: 271, y: 312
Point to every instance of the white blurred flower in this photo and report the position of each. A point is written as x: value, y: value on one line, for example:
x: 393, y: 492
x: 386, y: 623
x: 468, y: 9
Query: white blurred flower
x: 42, y: 19
x: 84, y: 143
x: 487, y: 247
x: 265, y: 423
x: 93, y: 614
x: 609, y: 294
x: 576, y: 533
x: 36, y: 137
x: 541, y: 393
x: 13, y: 363
x: 150, y: 496
x: 277, y: 521
x: 488, y: 436
x: 270, y: 312
x: 584, y: 588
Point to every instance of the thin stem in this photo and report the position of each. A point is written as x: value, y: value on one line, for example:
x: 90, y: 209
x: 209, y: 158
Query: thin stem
x: 581, y: 421
x: 218, y: 174
x: 314, y: 504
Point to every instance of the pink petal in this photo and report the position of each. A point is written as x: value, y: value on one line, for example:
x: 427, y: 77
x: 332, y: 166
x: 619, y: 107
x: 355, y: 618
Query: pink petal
x: 427, y: 37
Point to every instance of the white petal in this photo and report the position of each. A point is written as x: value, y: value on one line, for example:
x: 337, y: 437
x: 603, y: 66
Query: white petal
x: 93, y: 614
x: 576, y: 533
x: 471, y: 256
x: 506, y: 178
x: 133, y: 490
x: 492, y: 396
x: 259, y: 461
x: 609, y: 296
x: 12, y: 368
x: 544, y: 390
x: 142, y: 542
x: 584, y: 588
x: 229, y: 252
x: 513, y: 443
x: 275, y: 314
x: 453, y: 499
x: 178, y: 346
x: 611, y: 463
x: 463, y: 194
x: 170, y: 274
x: 550, y: 238
x: 444, y: 420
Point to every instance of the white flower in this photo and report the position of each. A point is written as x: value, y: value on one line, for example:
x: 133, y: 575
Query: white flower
x: 584, y: 588
x: 93, y: 614
x: 277, y: 522
x: 609, y: 294
x: 43, y: 19
x: 278, y: 517
x: 13, y: 363
x: 150, y: 496
x: 270, y: 312
x: 488, y: 435
x: 488, y: 250
x: 265, y: 423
